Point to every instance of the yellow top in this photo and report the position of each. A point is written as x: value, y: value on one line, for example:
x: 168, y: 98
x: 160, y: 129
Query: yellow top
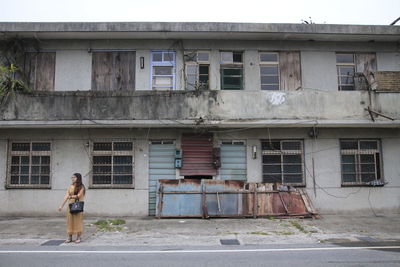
x: 71, y: 190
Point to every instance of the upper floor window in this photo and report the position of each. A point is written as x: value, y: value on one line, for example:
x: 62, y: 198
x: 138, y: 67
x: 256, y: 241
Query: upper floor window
x: 39, y: 70
x: 29, y: 165
x: 112, y: 164
x: 283, y: 161
x: 197, y: 68
x: 345, y: 64
x: 231, y: 70
x: 113, y: 70
x: 269, y: 70
x: 163, y: 70
x: 360, y: 160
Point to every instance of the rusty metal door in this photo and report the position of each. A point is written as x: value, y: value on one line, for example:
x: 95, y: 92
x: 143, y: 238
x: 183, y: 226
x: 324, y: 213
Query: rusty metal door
x: 161, y: 166
x: 197, y: 155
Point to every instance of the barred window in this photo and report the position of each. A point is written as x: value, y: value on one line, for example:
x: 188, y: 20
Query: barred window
x: 283, y: 162
x: 29, y: 165
x: 112, y: 164
x: 360, y: 160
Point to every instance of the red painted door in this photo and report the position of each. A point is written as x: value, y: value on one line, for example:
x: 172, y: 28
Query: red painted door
x: 197, y: 155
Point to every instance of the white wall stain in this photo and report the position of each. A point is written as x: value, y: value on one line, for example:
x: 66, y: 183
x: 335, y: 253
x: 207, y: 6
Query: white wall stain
x: 277, y: 98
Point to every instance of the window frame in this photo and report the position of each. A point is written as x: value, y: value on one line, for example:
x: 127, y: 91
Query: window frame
x: 226, y: 65
x: 29, y: 153
x: 338, y: 75
x: 111, y: 153
x: 358, y: 163
x: 163, y: 64
x: 195, y: 62
x: 287, y: 152
x: 267, y: 64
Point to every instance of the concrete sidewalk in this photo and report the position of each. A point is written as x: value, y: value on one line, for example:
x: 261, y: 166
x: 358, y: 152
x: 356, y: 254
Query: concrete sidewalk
x: 137, y: 231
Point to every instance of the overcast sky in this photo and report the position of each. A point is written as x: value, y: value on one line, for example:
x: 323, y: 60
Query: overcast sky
x: 278, y: 11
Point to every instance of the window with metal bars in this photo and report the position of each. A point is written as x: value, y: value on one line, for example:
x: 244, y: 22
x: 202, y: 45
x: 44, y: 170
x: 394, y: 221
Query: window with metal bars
x: 29, y: 165
x: 283, y: 162
x: 360, y: 161
x: 112, y: 164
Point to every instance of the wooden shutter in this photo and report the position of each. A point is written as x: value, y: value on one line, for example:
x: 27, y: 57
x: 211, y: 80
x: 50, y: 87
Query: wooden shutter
x: 39, y: 70
x: 113, y: 71
x: 290, y: 71
x: 365, y: 68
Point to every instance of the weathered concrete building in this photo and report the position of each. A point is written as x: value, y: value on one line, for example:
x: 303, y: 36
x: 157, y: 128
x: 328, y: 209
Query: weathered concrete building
x: 125, y: 104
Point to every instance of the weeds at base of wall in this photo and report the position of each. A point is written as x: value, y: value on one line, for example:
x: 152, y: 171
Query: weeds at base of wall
x: 111, y: 225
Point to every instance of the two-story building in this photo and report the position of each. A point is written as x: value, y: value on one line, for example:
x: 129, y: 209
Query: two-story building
x: 126, y: 104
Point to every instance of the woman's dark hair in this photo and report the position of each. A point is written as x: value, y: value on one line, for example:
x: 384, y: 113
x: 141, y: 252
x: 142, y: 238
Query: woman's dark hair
x: 78, y: 183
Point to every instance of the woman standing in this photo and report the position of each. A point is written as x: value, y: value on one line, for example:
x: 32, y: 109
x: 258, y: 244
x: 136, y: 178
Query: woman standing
x: 76, y: 191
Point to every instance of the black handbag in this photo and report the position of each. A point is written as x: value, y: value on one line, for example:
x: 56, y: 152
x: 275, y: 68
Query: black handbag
x: 76, y: 207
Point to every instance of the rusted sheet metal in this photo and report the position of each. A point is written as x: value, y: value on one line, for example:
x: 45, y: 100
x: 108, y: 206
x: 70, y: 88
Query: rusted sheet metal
x: 229, y: 198
x: 197, y: 155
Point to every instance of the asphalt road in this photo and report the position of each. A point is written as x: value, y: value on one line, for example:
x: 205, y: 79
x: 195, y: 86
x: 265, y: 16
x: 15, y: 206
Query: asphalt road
x: 272, y: 255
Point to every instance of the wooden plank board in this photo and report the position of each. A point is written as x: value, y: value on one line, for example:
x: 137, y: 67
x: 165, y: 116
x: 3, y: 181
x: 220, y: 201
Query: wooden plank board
x: 113, y: 70
x: 290, y: 70
x: 101, y: 71
x: 39, y: 70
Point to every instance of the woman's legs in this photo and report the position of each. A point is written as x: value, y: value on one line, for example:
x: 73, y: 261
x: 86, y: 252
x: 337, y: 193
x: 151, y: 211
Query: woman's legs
x: 78, y: 238
x: 69, y: 239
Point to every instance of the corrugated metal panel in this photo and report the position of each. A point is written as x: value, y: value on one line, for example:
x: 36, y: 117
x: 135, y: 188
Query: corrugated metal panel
x: 197, y: 155
x: 161, y: 166
x: 233, y: 162
x: 224, y: 198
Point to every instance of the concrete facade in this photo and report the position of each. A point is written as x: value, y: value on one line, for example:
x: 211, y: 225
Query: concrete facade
x: 73, y: 115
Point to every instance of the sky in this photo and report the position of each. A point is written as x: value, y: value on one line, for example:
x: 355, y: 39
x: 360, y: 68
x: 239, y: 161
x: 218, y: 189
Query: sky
x: 377, y: 12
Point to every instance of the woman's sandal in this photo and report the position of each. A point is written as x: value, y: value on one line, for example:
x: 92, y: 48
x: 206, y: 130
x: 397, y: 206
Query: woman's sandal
x: 68, y: 241
x: 78, y: 241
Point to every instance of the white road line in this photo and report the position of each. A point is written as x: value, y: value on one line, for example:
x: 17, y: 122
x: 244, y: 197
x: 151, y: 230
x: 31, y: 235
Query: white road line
x: 188, y: 251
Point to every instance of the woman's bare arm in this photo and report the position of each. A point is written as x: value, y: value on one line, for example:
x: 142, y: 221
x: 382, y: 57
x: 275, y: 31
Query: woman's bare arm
x: 66, y: 197
x: 79, y: 195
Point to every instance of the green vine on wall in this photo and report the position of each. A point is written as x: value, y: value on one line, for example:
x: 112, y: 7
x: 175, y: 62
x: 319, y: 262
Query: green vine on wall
x: 12, y: 76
